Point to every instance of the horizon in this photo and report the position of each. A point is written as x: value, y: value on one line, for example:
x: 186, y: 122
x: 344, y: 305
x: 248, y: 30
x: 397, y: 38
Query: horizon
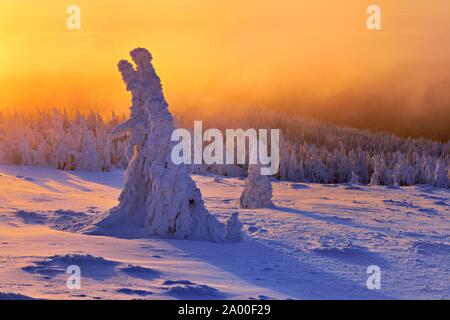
x: 316, y: 60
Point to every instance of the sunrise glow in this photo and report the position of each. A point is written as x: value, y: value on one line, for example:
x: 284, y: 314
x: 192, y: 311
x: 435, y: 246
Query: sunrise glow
x: 312, y: 58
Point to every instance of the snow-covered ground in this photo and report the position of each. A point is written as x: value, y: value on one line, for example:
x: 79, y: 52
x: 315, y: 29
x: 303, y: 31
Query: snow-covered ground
x: 315, y: 243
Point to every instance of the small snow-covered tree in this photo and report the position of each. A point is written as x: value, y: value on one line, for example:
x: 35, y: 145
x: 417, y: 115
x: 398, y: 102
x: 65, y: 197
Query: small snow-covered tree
x: 374, y: 180
x: 233, y: 231
x: 159, y: 198
x: 354, y: 178
x: 257, y: 191
x: 441, y: 175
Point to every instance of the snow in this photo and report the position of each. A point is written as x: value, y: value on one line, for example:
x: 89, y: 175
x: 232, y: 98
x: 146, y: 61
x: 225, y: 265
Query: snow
x: 315, y: 242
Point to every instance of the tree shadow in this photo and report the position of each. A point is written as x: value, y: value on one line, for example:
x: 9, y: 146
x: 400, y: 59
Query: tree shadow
x: 115, y: 180
x: 264, y: 267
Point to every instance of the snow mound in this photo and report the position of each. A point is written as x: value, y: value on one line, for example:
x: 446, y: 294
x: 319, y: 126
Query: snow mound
x: 186, y: 289
x: 431, y: 211
x: 299, y: 186
x: 342, y: 251
x: 29, y: 217
x: 194, y: 291
x: 356, y: 188
x: 68, y: 220
x: 137, y: 292
x: 173, y: 282
x: 441, y: 203
x: 427, y: 196
x: 401, y: 203
x: 261, y: 297
x: 13, y: 296
x: 69, y: 213
x: 64, y: 220
x: 233, y: 230
x: 80, y: 259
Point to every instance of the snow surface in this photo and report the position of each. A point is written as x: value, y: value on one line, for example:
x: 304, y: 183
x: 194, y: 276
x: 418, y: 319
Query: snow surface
x: 316, y: 242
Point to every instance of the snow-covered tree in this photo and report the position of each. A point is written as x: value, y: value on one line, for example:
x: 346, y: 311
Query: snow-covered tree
x: 233, y: 231
x: 395, y: 180
x: 374, y: 180
x: 257, y: 191
x: 88, y: 156
x: 311, y: 151
x: 159, y: 198
x: 441, y: 175
x: 354, y: 178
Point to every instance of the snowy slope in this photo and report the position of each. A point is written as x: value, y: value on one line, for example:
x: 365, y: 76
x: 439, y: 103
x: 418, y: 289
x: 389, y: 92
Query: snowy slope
x: 315, y: 243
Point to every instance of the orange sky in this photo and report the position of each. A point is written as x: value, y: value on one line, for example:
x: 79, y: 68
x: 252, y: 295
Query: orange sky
x: 310, y: 57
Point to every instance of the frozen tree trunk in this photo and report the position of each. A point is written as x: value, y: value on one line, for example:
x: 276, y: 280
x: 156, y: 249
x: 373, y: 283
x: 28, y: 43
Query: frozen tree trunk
x: 258, y: 190
x: 159, y: 198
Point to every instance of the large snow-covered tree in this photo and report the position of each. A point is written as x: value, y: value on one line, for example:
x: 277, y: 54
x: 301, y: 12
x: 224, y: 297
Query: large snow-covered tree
x: 159, y: 198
